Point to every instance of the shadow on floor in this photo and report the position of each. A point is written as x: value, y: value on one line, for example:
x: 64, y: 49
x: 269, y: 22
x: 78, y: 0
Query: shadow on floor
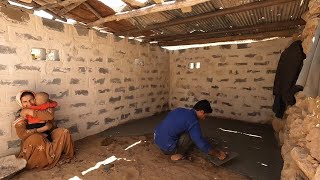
x: 259, y: 154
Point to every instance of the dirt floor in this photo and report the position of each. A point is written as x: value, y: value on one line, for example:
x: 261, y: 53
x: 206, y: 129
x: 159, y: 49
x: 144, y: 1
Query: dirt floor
x: 142, y: 161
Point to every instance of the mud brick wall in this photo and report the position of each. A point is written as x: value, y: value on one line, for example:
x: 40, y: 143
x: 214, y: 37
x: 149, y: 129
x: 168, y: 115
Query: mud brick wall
x: 236, y: 79
x: 97, y: 83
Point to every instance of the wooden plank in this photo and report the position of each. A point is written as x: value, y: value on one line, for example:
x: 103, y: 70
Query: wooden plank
x: 26, y: 1
x: 218, y: 13
x: 148, y: 10
x: 257, y: 36
x: 158, y: 1
x: 224, y: 32
x: 186, y: 9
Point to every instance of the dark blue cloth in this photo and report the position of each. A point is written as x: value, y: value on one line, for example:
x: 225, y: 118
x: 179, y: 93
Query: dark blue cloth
x: 177, y: 122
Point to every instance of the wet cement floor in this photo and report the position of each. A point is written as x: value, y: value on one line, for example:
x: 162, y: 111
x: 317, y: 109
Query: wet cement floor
x: 259, y: 154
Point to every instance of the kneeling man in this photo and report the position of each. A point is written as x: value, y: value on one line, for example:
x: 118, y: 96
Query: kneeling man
x: 181, y: 128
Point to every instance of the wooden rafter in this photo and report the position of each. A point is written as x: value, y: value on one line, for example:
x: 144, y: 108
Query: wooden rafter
x: 70, y: 7
x: 92, y: 10
x: 59, y: 3
x: 224, y: 32
x: 34, y: 5
x: 218, y: 13
x: 257, y: 36
x: 148, y: 10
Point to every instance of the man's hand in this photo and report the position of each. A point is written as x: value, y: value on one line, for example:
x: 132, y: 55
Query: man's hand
x: 25, y: 112
x: 222, y: 155
x: 219, y: 154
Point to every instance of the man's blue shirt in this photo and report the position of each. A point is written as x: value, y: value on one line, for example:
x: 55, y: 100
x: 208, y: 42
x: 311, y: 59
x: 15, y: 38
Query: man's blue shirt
x: 177, y: 122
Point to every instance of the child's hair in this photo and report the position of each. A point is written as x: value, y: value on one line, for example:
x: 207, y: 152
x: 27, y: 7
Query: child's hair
x: 44, y: 94
x: 43, y: 99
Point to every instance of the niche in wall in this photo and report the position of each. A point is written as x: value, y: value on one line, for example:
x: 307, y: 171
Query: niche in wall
x: 38, y: 54
x: 41, y: 54
x: 53, y: 55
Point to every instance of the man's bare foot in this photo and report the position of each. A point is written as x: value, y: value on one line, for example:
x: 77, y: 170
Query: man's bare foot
x: 176, y: 157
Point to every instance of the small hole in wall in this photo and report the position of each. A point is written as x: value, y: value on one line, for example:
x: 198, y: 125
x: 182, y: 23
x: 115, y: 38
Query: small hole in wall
x: 38, y: 54
x: 53, y: 55
x: 191, y: 65
x: 198, y: 65
x: 138, y: 62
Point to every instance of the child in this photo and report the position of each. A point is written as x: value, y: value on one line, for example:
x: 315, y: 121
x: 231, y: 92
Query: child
x: 42, y: 103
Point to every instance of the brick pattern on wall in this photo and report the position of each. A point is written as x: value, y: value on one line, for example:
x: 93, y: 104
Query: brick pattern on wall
x: 236, y: 79
x: 97, y: 83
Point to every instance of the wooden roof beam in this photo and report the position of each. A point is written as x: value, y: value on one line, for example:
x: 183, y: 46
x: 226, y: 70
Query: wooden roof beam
x: 257, y: 36
x: 223, y: 32
x: 218, y: 13
x: 148, y: 10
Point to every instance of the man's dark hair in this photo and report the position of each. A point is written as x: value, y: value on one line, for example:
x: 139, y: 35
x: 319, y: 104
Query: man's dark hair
x: 203, y: 105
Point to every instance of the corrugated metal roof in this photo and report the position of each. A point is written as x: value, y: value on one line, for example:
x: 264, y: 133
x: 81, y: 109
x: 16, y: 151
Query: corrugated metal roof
x: 280, y: 12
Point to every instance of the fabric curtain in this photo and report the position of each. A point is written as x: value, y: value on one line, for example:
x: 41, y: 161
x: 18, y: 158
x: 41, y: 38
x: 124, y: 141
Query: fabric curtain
x: 309, y: 77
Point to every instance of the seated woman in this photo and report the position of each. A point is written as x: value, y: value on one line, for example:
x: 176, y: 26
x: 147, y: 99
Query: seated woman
x: 35, y: 147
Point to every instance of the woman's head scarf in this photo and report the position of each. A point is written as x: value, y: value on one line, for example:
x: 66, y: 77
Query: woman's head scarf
x: 18, y: 96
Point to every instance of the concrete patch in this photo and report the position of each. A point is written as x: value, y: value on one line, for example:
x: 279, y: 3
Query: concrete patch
x: 91, y: 124
x: 225, y: 47
x: 3, y: 67
x: 78, y: 105
x: 29, y: 68
x: 15, y: 14
x: 28, y: 37
x: 82, y: 31
x: 74, y: 81
x: 73, y: 129
x: 115, y: 80
x: 114, y: 99
x: 14, y: 144
x: 242, y: 46
x: 82, y: 92
x: 53, y: 25
x: 108, y: 120
x: 7, y: 50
